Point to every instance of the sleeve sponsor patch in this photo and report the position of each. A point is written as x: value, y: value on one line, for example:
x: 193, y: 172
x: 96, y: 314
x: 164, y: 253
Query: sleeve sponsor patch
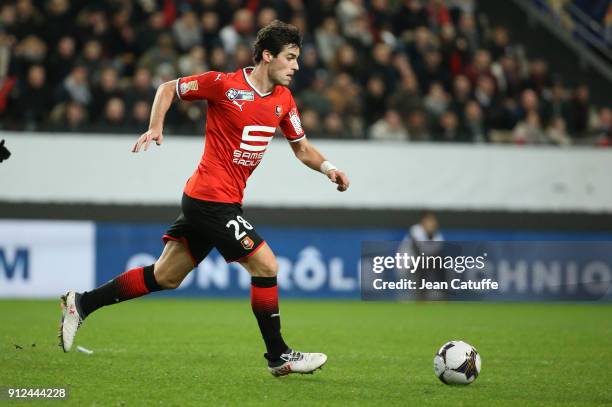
x: 188, y: 86
x: 294, y: 118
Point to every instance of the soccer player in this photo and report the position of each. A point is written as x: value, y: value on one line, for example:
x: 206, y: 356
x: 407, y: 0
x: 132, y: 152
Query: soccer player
x: 244, y: 109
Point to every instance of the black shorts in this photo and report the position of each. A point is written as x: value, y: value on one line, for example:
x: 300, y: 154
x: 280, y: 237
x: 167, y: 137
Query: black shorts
x: 203, y: 225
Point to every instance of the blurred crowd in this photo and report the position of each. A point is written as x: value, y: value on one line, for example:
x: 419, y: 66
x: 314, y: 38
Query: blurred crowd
x: 418, y: 70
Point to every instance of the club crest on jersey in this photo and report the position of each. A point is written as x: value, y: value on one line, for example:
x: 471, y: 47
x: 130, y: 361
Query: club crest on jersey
x: 238, y: 94
x: 278, y: 110
x: 188, y: 86
x: 247, y: 243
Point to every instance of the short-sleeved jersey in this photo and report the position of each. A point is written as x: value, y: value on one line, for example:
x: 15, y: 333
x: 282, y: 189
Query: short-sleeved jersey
x: 240, y: 123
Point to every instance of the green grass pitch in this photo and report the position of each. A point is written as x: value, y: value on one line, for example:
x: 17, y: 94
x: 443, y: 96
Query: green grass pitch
x: 209, y: 353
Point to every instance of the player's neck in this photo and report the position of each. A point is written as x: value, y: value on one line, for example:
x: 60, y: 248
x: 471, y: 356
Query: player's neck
x: 259, y: 78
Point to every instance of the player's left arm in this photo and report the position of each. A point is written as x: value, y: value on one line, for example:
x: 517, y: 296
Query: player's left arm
x: 311, y: 157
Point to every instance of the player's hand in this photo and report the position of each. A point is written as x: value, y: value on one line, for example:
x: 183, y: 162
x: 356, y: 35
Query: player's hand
x: 146, y: 139
x: 340, y: 178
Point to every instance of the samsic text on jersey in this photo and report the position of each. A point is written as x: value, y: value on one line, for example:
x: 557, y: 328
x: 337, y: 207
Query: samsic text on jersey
x: 240, y: 123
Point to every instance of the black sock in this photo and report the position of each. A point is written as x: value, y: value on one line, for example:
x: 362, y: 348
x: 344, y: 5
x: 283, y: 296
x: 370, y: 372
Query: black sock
x: 264, y: 302
x: 131, y: 284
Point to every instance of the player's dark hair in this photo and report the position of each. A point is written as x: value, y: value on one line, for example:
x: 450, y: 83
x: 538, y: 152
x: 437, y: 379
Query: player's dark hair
x: 274, y: 37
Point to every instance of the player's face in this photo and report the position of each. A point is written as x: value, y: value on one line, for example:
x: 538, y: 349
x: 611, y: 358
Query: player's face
x: 284, y: 65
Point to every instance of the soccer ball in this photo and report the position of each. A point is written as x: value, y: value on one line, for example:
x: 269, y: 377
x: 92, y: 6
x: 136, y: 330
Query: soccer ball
x: 457, y: 362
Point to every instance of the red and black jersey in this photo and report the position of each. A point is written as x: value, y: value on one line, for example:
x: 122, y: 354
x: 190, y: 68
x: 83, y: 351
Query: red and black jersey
x: 241, y: 121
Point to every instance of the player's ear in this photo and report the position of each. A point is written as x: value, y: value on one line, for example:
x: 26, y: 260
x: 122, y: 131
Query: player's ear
x: 267, y: 56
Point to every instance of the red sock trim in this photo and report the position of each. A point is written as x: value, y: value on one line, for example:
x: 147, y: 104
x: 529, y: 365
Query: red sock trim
x: 131, y: 284
x: 264, y: 300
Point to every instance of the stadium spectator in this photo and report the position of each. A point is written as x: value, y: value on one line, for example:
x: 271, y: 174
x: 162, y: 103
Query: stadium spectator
x: 500, y: 43
x: 603, y: 129
x: 161, y: 54
x: 57, y: 20
x: 389, y: 128
x: 555, y: 102
x: 91, y: 56
x: 187, y: 31
x: 71, y: 118
x: 436, y: 101
x: 556, y: 132
x: 447, y: 128
x: 335, y: 127
x: 374, y: 99
x: 410, y: 15
x: 529, y: 130
x: 461, y: 95
x: 346, y: 61
x: 308, y: 69
x: 407, y: 97
x: 141, y: 87
x: 507, y: 76
x: 114, y: 119
x: 28, y: 51
x: 474, y: 128
x: 344, y: 95
x: 218, y: 59
x: 139, y: 118
x: 348, y: 11
x: 468, y: 31
x: 35, y: 99
x: 538, y: 78
x: 328, y: 40
x: 75, y: 86
x: 210, y: 30
x: 107, y: 88
x: 418, y: 129
x: 147, y: 34
x: 8, y: 19
x: 29, y: 19
x: 579, y: 111
x: 242, y: 57
x: 314, y: 97
x: 242, y: 29
x: 266, y: 16
x: 193, y: 62
x: 311, y: 122
x: 382, y: 66
x: 62, y: 59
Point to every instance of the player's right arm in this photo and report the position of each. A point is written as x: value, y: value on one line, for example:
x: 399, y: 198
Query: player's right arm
x: 208, y: 85
x: 163, y: 99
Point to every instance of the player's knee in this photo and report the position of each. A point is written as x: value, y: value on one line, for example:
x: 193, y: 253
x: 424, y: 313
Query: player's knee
x: 269, y: 268
x: 165, y: 277
x: 169, y: 284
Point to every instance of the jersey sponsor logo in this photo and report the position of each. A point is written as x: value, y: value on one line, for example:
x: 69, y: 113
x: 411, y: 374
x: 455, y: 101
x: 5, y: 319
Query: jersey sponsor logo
x: 294, y: 118
x: 239, y: 94
x: 250, y: 154
x: 188, y: 86
x: 278, y: 110
x: 247, y: 159
x: 248, y: 138
x: 247, y: 243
